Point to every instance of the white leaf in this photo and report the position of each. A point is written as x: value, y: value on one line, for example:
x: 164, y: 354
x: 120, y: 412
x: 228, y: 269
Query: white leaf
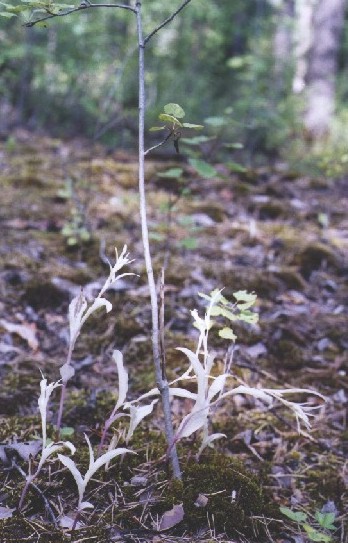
x: 98, y: 302
x: 45, y: 393
x: 122, y: 379
x: 86, y: 505
x: 91, y: 453
x: 182, y: 393
x: 191, y: 423
x: 66, y: 372
x: 70, y: 464
x: 208, y: 440
x: 217, y: 386
x: 152, y: 392
x: 250, y: 391
x: 194, y: 360
x: 137, y: 413
x: 77, y: 307
x: 53, y: 448
x: 106, y: 457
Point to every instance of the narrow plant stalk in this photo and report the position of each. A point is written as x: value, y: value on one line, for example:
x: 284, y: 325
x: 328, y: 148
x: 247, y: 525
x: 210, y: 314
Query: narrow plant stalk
x: 62, y: 395
x: 28, y: 482
x: 162, y: 382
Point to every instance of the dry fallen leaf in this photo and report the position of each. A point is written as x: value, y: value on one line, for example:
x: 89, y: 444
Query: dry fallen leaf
x: 171, y: 518
x: 6, y: 512
x: 26, y: 331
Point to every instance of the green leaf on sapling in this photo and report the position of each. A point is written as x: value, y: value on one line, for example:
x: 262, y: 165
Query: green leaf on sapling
x: 244, y: 299
x: 7, y: 15
x: 215, y: 121
x: 193, y: 126
x: 296, y: 516
x: 175, y: 110
x: 172, y: 173
x: 227, y: 333
x: 169, y: 119
x: 156, y: 128
x: 233, y: 145
x: 197, y: 140
x: 248, y: 316
x: 203, y: 168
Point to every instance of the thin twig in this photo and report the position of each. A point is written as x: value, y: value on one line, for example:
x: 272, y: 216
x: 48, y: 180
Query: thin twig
x: 158, y: 144
x: 166, y: 21
x: 82, y: 7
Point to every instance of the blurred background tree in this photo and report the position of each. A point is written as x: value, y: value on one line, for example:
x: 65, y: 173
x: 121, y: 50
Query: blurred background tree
x: 280, y: 64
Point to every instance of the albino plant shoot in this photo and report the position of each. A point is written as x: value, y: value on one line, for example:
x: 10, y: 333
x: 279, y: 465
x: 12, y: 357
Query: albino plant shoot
x: 94, y: 465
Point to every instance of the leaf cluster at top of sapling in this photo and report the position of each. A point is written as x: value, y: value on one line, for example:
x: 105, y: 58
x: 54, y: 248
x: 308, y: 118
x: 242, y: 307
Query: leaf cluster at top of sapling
x: 173, y: 124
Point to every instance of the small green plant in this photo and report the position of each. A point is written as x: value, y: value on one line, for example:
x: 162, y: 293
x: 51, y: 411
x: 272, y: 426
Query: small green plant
x: 76, y: 229
x: 319, y: 528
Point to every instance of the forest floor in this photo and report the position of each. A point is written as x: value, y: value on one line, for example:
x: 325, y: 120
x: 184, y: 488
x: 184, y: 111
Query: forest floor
x: 281, y: 235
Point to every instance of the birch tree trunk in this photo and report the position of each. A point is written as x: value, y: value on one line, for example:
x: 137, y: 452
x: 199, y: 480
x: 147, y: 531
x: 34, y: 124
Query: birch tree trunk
x: 327, y: 24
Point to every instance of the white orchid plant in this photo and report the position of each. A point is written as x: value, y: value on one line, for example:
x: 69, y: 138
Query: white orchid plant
x: 80, y: 311
x: 48, y: 448
x: 94, y: 465
x: 211, y: 389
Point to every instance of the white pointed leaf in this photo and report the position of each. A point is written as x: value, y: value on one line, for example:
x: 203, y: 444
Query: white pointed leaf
x: 91, y: 453
x: 45, y: 393
x: 77, y: 308
x: 152, y: 392
x: 191, y: 423
x: 86, y: 505
x: 137, y: 413
x: 207, y: 441
x: 70, y: 464
x: 194, y: 360
x: 249, y: 391
x: 106, y: 457
x: 98, y: 302
x: 217, y: 386
x: 122, y: 379
x: 182, y: 393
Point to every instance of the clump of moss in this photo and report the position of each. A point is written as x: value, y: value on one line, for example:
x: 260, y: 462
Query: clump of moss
x: 232, y: 495
x: 314, y: 255
x: 288, y: 354
x: 325, y: 482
